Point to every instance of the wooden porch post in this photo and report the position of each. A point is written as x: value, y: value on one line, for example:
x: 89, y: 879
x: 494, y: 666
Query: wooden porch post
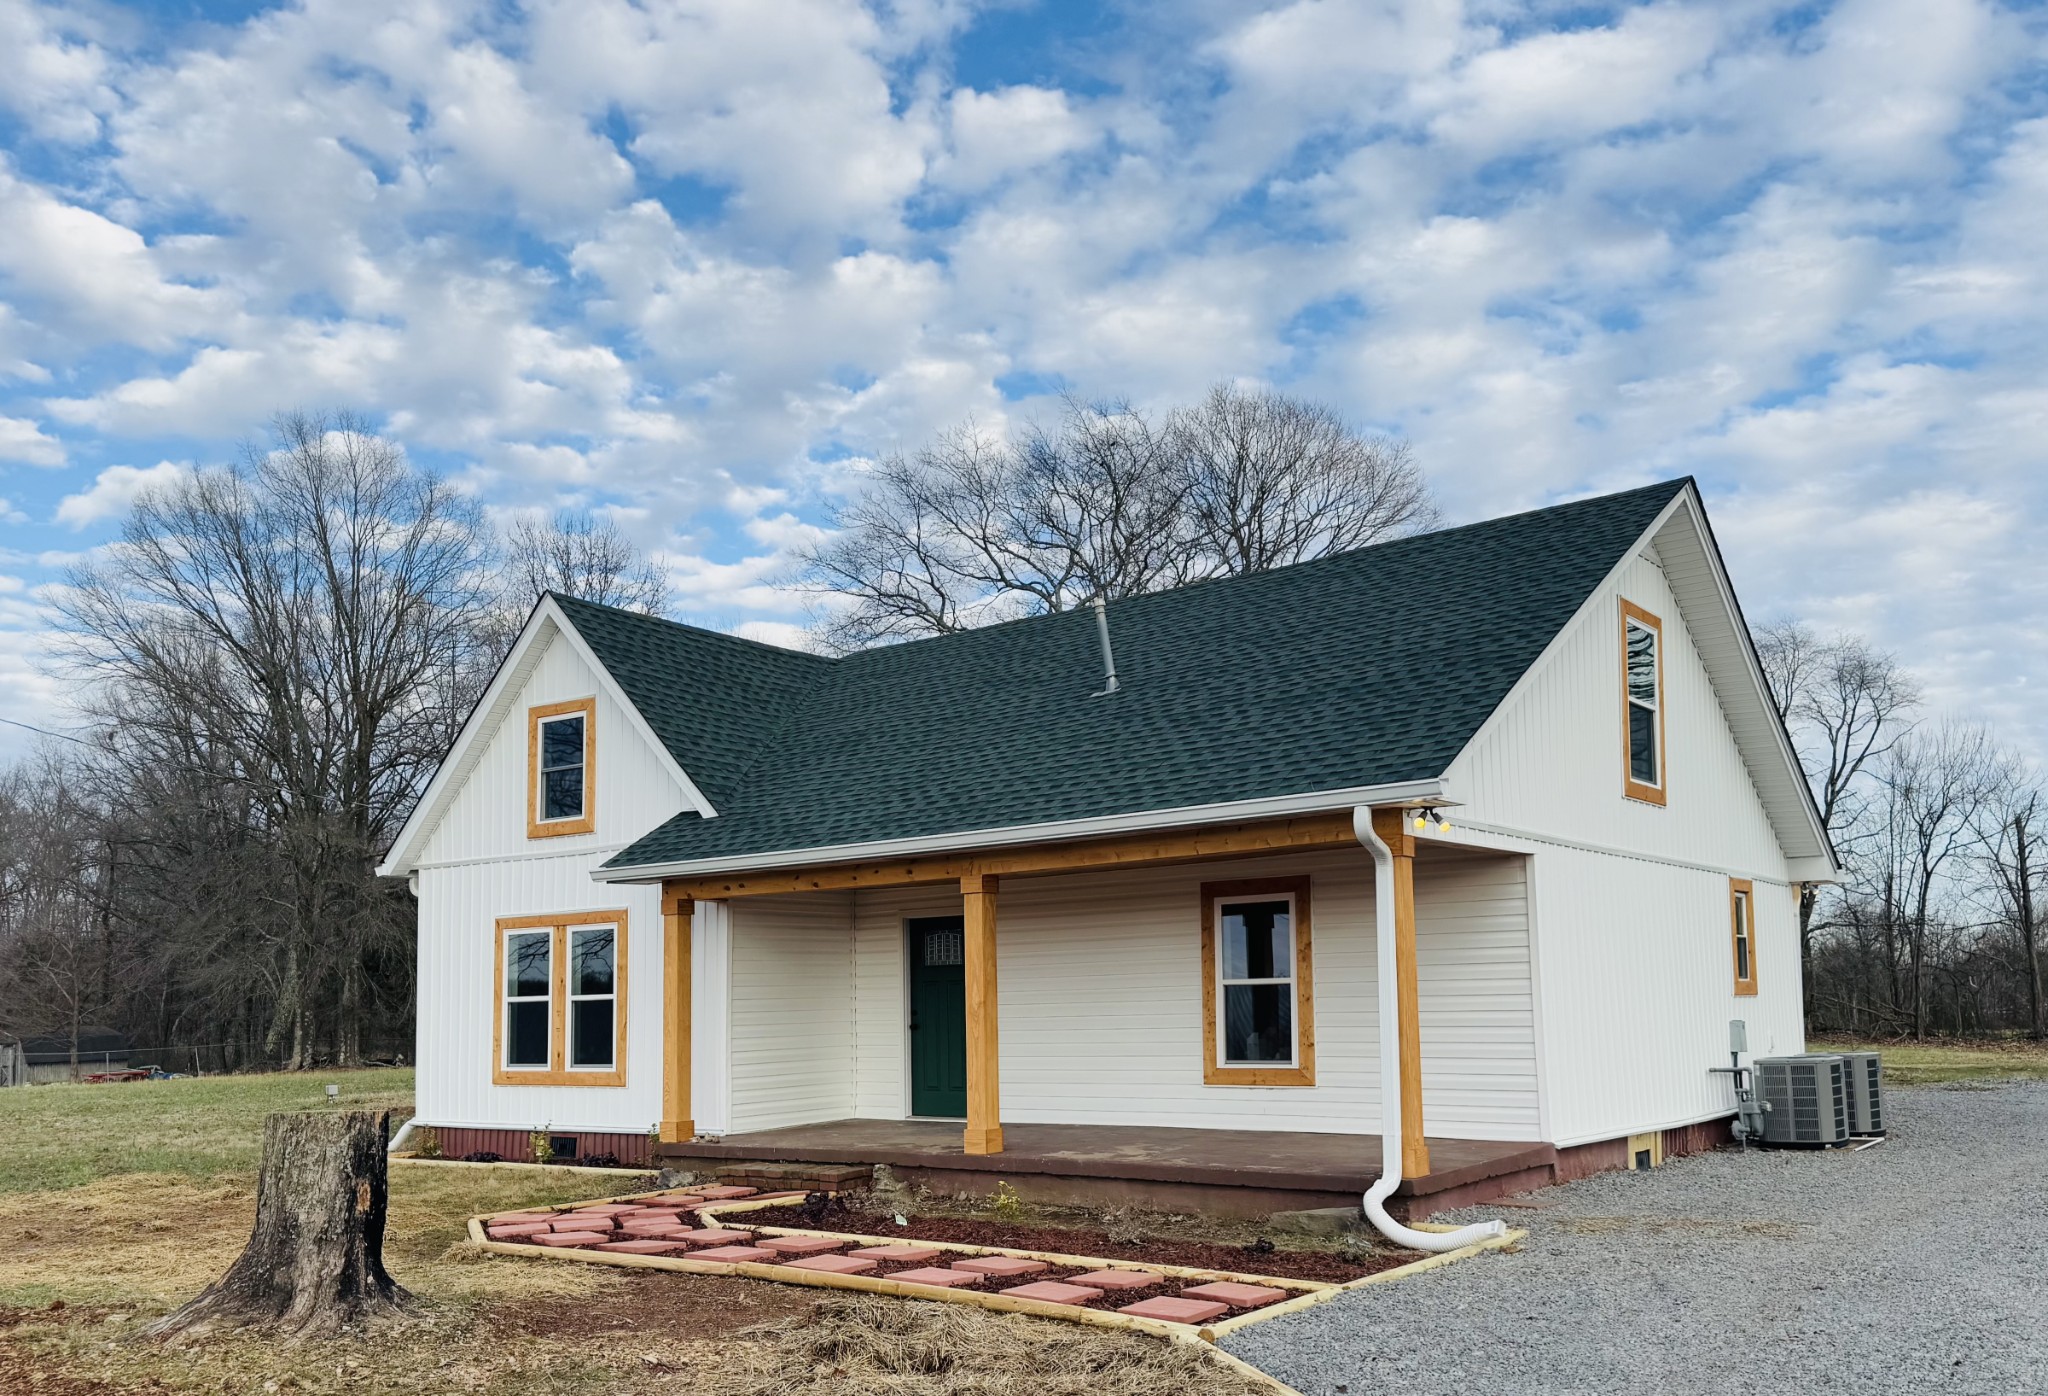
x: 984, y: 1132
x: 678, y: 911
x: 1392, y: 827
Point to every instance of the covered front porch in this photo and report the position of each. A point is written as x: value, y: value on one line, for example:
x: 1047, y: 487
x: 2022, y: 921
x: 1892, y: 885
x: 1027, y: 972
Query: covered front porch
x: 1087, y: 991
x: 1239, y: 1172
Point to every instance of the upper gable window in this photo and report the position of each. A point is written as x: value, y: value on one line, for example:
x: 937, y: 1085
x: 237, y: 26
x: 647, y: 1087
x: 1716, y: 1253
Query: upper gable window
x: 1642, y: 704
x: 561, y: 768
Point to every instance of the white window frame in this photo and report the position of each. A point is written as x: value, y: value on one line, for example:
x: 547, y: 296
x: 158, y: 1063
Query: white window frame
x: 1636, y: 618
x: 505, y: 1062
x: 572, y: 998
x: 539, y: 825
x: 1224, y: 984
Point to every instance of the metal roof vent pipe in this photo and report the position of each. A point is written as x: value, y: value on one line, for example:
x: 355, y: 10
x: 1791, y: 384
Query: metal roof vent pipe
x: 1109, y: 683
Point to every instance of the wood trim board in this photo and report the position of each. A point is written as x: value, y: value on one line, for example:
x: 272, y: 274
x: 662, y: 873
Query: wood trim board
x: 559, y: 1072
x: 1631, y: 787
x: 1741, y: 891
x: 1303, y: 1072
x: 536, y: 827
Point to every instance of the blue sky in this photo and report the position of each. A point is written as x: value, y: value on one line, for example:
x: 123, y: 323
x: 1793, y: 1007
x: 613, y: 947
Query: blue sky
x: 696, y: 263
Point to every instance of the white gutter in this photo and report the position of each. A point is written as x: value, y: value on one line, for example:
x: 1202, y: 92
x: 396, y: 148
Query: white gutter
x: 1433, y: 792
x: 1390, y: 1065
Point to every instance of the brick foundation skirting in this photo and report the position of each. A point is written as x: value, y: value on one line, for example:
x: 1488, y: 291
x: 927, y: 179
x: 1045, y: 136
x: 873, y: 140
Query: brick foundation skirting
x: 516, y: 1145
x: 1584, y: 1160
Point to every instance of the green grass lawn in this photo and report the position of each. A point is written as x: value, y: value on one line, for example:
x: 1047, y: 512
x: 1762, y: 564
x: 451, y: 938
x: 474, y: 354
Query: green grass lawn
x: 200, y: 1128
x: 1926, y: 1063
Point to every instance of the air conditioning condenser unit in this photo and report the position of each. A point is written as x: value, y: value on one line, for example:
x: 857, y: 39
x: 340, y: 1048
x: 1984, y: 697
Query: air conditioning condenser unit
x: 1806, y: 1099
x: 1863, y: 1077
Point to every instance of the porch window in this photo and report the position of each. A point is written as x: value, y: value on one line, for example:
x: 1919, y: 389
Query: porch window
x: 561, y: 740
x: 1642, y: 704
x: 561, y: 1017
x: 1742, y: 929
x: 1258, y: 1025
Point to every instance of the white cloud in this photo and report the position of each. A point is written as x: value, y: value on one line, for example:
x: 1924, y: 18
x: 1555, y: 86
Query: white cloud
x: 9, y: 514
x: 999, y: 133
x: 25, y: 441
x: 114, y: 490
x: 695, y: 264
x: 89, y: 277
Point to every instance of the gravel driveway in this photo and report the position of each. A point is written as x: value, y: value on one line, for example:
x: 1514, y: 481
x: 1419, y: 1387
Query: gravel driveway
x: 1918, y: 1266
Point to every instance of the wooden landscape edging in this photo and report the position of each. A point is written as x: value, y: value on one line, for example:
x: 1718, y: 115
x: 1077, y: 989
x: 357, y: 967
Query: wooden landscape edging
x: 1308, y: 1293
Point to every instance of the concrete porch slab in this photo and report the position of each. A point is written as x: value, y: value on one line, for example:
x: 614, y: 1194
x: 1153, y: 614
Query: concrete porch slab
x: 1244, y: 1171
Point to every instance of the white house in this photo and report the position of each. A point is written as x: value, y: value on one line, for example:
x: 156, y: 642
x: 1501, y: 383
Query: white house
x: 952, y: 905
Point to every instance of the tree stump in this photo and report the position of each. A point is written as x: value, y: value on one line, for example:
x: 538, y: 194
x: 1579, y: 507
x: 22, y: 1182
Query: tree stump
x: 314, y: 1265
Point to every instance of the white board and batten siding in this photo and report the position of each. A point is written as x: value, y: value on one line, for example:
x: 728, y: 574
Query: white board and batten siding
x: 1100, y: 1002
x: 477, y: 865
x: 1631, y: 933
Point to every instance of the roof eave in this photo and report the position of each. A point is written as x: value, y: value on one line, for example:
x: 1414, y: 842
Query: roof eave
x: 1432, y: 791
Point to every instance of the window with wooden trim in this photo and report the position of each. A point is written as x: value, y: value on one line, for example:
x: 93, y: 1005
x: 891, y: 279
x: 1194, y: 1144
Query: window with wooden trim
x: 1642, y: 704
x: 561, y: 1000
x: 1258, y: 999
x: 561, y: 768
x: 1742, y: 933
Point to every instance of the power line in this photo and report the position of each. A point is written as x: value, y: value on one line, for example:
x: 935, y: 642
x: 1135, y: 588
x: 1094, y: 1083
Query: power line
x: 60, y: 736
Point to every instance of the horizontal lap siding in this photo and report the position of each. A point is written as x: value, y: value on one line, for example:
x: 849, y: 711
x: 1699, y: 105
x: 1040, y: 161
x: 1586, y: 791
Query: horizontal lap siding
x: 791, y: 1009
x: 1477, y: 1009
x: 1101, y: 1002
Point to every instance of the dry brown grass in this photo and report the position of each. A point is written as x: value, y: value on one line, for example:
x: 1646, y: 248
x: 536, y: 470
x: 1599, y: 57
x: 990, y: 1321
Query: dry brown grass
x: 863, y: 1345
x: 100, y: 1234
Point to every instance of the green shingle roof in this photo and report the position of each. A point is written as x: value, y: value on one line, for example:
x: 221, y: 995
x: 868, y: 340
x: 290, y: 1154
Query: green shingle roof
x: 1366, y: 668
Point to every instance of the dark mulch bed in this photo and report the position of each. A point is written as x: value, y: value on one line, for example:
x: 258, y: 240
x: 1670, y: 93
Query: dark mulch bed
x: 1158, y: 1250
x: 670, y: 1306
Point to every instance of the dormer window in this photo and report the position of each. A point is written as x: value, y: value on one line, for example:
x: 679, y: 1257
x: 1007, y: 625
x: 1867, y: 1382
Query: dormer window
x: 1642, y: 704
x: 561, y: 740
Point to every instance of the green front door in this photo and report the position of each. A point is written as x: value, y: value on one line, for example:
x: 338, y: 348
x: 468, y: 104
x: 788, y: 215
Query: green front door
x: 938, y: 1018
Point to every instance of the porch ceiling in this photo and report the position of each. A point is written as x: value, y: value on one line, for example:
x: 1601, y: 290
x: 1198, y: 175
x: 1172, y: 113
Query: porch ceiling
x: 1280, y: 1160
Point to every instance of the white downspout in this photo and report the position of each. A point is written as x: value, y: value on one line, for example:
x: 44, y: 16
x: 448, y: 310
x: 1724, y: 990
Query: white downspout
x: 1390, y: 1065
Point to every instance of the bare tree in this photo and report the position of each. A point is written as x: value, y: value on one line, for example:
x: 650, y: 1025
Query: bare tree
x: 2011, y: 834
x: 584, y: 555
x: 303, y: 627
x: 59, y: 967
x: 971, y: 529
x: 1845, y: 703
x: 1936, y: 783
x: 1270, y: 480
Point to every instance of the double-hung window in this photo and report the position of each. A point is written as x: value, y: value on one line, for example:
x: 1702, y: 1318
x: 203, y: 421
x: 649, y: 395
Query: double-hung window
x: 561, y: 1018
x: 561, y: 749
x: 1742, y: 931
x: 1258, y: 1019
x: 1642, y: 704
